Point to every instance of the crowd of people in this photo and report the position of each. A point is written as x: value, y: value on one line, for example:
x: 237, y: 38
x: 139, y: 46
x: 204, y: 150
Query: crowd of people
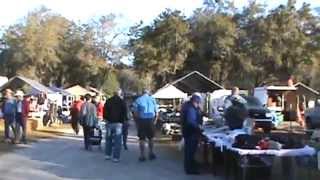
x: 115, y: 112
x: 89, y: 112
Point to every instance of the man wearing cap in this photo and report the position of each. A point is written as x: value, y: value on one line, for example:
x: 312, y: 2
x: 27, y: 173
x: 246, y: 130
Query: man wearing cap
x: 115, y: 115
x: 145, y: 112
x: 23, y: 107
x: 191, y: 129
x: 9, y: 111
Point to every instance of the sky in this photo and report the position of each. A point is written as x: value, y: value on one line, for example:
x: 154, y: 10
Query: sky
x: 129, y: 11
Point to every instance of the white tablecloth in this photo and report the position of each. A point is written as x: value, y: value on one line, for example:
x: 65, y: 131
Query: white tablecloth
x: 225, y: 140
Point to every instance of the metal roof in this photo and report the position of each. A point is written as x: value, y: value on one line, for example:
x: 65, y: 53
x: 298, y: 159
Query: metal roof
x: 196, y: 82
x: 36, y: 86
x: 278, y: 88
x: 306, y: 87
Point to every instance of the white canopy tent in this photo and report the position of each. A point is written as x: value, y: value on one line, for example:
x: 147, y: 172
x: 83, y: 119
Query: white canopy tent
x: 169, y: 92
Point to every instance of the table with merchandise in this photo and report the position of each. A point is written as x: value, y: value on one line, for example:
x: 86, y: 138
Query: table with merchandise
x: 243, y: 155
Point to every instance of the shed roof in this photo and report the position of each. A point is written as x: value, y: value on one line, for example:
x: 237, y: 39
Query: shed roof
x: 196, y: 82
x: 36, y: 87
x: 78, y: 90
x: 300, y: 84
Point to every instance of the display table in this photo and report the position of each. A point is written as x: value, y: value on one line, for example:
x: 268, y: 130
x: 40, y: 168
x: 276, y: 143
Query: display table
x: 238, y: 161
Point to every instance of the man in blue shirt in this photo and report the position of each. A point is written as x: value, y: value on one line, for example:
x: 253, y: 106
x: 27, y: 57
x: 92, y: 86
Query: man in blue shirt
x: 191, y: 129
x: 145, y: 111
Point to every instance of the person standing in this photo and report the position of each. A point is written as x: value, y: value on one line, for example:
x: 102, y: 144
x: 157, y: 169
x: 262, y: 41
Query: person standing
x: 75, y: 114
x: 145, y: 111
x: 42, y: 102
x: 235, y: 111
x: 23, y: 108
x: 100, y: 109
x: 88, y: 120
x: 235, y: 95
x: 191, y: 129
x: 125, y: 128
x: 9, y: 112
x: 116, y: 116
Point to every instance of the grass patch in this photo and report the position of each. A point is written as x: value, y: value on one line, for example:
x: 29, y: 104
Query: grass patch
x: 32, y: 136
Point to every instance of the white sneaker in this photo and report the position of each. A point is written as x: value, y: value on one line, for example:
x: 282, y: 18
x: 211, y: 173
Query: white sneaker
x: 115, y: 160
x: 107, y: 157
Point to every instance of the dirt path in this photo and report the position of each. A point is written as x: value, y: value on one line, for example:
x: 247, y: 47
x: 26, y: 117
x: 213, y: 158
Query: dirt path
x: 64, y: 158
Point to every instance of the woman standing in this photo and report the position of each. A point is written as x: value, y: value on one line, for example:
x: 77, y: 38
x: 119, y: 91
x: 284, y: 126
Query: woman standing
x: 88, y: 120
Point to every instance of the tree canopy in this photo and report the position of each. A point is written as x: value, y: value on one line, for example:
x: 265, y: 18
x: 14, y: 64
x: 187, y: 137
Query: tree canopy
x: 247, y: 47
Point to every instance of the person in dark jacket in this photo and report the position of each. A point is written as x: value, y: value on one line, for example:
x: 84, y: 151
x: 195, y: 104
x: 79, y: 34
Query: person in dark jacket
x: 115, y: 115
x: 235, y: 110
x: 191, y: 129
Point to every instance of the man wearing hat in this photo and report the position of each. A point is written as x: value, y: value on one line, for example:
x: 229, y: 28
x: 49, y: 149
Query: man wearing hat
x: 23, y: 107
x: 191, y: 129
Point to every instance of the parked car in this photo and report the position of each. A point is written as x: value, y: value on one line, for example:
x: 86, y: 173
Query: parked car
x: 262, y: 116
x: 312, y: 117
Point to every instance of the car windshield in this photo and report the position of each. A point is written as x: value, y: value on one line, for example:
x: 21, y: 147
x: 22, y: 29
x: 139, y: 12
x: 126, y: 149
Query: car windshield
x: 252, y: 101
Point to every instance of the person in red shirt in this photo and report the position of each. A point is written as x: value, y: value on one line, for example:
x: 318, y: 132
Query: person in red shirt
x: 23, y: 108
x: 100, y: 109
x: 75, y: 114
x: 25, y: 115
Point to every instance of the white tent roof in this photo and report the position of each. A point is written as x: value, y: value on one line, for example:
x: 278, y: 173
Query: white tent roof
x: 77, y: 90
x: 169, y: 92
x: 278, y: 88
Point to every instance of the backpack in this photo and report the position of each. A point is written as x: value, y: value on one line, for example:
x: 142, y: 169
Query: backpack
x: 88, y: 115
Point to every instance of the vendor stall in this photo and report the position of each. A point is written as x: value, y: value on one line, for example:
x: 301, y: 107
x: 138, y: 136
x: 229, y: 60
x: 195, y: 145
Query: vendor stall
x: 282, y: 100
x: 169, y: 92
x: 241, y: 153
x: 170, y: 99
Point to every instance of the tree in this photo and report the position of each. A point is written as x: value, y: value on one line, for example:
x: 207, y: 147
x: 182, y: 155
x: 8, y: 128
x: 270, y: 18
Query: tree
x: 213, y: 34
x: 31, y: 46
x: 49, y: 48
x: 160, y: 49
x: 129, y: 81
x: 111, y: 83
x: 272, y: 47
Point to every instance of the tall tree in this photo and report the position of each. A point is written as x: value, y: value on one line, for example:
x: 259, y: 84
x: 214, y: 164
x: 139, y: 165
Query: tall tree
x: 213, y: 34
x: 161, y: 49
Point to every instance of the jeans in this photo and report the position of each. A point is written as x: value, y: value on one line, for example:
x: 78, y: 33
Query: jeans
x: 190, y: 149
x: 87, y: 132
x: 125, y: 128
x: 113, y: 139
x: 21, y: 123
x: 9, y: 123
